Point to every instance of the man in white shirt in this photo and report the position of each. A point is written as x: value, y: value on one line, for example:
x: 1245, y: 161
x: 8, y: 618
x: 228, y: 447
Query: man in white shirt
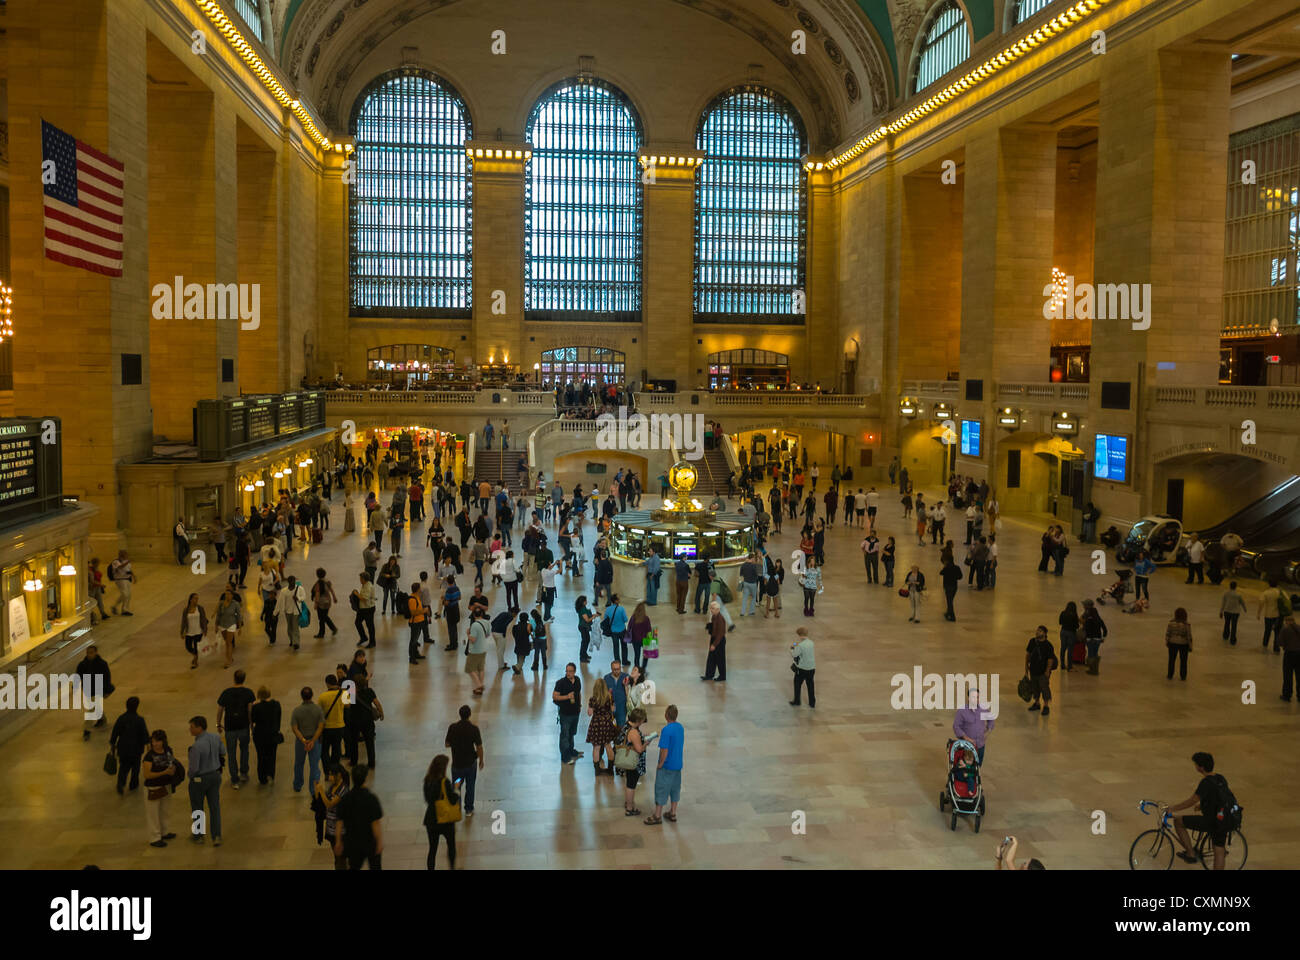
x: 873, y: 504
x: 970, y: 524
x: 289, y: 605
x: 814, y: 473
x: 1196, y: 560
x: 510, y: 578
x: 940, y: 517
x: 548, y: 590
x: 120, y: 573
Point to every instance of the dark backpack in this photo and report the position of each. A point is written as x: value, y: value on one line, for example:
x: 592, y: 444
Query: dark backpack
x: 403, y: 604
x: 606, y: 627
x: 1228, y: 811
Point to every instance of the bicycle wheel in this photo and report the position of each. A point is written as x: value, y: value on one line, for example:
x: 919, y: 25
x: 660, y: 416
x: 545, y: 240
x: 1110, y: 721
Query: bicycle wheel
x: 1152, y: 850
x: 1234, y: 854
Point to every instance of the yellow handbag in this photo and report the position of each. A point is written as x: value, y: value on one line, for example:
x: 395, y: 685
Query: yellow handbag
x: 447, y: 811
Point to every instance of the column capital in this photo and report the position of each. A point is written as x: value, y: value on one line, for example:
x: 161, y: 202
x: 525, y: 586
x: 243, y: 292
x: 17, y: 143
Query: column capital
x: 498, y: 156
x: 669, y: 164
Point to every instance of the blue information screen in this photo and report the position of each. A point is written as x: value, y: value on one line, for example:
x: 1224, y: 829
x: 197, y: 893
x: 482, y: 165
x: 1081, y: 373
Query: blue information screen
x: 1111, y: 458
x: 970, y: 438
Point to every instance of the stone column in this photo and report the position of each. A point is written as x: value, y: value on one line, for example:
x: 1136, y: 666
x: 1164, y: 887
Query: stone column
x: 668, y: 350
x: 498, y: 323
x: 80, y: 65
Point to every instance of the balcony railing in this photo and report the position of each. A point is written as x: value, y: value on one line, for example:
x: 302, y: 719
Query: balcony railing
x: 457, y: 398
x: 757, y: 398
x: 1234, y: 398
x: 1050, y: 392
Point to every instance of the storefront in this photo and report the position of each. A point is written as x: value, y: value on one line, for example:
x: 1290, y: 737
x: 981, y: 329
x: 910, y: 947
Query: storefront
x: 749, y: 370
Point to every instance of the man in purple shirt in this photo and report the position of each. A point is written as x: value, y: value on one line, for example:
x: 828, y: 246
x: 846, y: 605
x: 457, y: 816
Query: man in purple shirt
x: 973, y: 723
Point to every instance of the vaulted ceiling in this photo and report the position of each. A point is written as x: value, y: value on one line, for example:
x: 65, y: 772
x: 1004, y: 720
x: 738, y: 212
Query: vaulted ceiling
x: 857, y: 50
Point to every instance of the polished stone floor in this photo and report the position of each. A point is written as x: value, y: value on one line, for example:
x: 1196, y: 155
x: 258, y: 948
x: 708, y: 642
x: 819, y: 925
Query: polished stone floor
x: 866, y: 777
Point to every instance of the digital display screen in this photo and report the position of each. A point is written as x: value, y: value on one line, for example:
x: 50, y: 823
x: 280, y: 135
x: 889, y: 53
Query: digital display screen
x: 1111, y: 458
x: 686, y: 551
x: 970, y: 438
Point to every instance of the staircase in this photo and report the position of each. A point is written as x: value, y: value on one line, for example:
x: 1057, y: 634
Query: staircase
x: 496, y: 466
x: 713, y: 471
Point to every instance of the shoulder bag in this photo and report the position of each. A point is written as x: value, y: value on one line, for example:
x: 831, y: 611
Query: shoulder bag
x: 446, y: 809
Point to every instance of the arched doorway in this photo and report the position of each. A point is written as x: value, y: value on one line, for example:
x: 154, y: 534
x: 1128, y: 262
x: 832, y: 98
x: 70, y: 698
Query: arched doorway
x: 595, y: 365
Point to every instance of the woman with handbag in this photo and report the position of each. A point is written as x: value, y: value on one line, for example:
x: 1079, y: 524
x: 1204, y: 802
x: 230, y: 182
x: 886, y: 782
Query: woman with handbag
x: 914, y: 589
x: 811, y: 581
x: 629, y: 758
x: 159, y: 782
x: 330, y: 791
x: 638, y: 628
x: 387, y: 581
x: 442, y: 809
x: 601, y: 731
x: 230, y: 619
x: 194, y: 626
x: 264, y: 717
x: 772, y: 587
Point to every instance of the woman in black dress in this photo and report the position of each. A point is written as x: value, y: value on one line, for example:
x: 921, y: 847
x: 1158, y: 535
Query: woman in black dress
x: 523, y: 634
x: 442, y: 809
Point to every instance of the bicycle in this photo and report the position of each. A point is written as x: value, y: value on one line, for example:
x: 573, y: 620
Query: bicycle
x: 1154, y: 849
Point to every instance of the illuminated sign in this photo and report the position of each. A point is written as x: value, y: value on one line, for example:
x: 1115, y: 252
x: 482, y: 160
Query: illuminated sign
x: 1111, y: 458
x: 970, y: 438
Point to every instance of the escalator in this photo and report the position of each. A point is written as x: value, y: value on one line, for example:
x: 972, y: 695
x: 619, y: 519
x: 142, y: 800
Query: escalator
x: 1270, y: 532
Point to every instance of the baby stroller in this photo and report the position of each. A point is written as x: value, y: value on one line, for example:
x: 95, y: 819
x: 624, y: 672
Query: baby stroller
x: 1117, y: 590
x: 963, y: 790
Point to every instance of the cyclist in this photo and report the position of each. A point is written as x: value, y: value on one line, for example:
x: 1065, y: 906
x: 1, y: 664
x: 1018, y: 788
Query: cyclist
x: 1207, y: 797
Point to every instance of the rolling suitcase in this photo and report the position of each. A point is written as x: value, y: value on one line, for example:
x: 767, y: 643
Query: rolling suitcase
x: 317, y: 534
x: 1079, y: 652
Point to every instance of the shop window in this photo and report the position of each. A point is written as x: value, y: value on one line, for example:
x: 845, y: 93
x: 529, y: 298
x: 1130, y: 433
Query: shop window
x: 748, y: 370
x: 595, y: 365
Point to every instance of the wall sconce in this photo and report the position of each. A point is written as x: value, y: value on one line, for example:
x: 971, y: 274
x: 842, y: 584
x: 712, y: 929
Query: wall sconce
x: 249, y: 488
x: 66, y: 569
x: 32, y: 583
x: 906, y: 407
x: 942, y: 411
x: 1063, y: 423
x: 259, y: 483
x: 1008, y: 418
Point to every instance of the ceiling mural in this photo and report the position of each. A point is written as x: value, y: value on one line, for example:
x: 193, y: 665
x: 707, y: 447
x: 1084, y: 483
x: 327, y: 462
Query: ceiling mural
x: 847, y: 76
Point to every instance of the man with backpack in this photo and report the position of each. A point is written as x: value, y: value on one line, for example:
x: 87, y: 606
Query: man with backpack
x: 1274, y: 606
x: 1219, y: 811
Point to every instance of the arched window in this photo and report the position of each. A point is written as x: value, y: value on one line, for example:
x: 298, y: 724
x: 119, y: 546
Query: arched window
x: 582, y: 208
x: 946, y: 44
x: 1022, y: 10
x: 250, y: 13
x: 593, y: 364
x: 750, y: 210
x: 410, y: 206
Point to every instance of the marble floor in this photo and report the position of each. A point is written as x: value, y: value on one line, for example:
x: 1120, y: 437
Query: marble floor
x: 866, y: 776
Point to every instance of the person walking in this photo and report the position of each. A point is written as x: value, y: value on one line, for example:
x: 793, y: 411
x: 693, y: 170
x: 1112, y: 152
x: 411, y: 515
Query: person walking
x: 638, y: 628
x: 128, y: 739
x: 888, y: 555
x: 363, y: 602
x: 952, y: 576
x: 1178, y: 639
x: 360, y: 829
x: 95, y: 587
x: 585, y: 619
x: 332, y: 705
x: 804, y: 665
x: 292, y: 604
x: 322, y: 596
x: 360, y: 717
x: 973, y: 723
x: 811, y: 581
x: 1195, y: 559
x: 772, y: 587
x: 567, y: 698
x: 1040, y: 659
x: 476, y: 649
x: 207, y: 755
x: 451, y: 612
x: 668, y: 774
x: 235, y: 720
x: 466, y: 744
x: 418, y: 619
x: 230, y: 620
x: 601, y: 730
x: 749, y: 578
x: 914, y: 589
x: 194, y: 627
x: 160, y: 777
x: 330, y: 791
x: 308, y: 725
x: 522, y: 632
x: 717, y: 658
x: 1274, y: 606
x: 1143, y: 567
x: 441, y: 810
x: 1094, y: 634
x: 1069, y: 622
x: 541, y: 638
x: 1231, y: 606
x: 265, y: 717
x: 1290, y: 656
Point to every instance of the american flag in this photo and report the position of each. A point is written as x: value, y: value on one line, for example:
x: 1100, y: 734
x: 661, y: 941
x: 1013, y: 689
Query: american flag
x: 83, y: 204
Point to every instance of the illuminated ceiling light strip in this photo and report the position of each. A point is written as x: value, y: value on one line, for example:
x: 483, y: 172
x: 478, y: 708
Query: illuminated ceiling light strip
x: 235, y: 39
x: 1063, y: 21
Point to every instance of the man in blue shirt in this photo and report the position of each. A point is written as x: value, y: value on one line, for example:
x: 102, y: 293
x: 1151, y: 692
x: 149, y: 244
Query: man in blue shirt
x: 653, y: 568
x: 618, y: 627
x: 207, y: 755
x: 682, y: 569
x: 616, y: 680
x: 668, y: 778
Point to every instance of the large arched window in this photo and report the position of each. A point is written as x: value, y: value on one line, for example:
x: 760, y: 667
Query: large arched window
x: 750, y: 210
x: 1022, y: 10
x: 582, y: 209
x: 410, y: 206
x: 945, y: 45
